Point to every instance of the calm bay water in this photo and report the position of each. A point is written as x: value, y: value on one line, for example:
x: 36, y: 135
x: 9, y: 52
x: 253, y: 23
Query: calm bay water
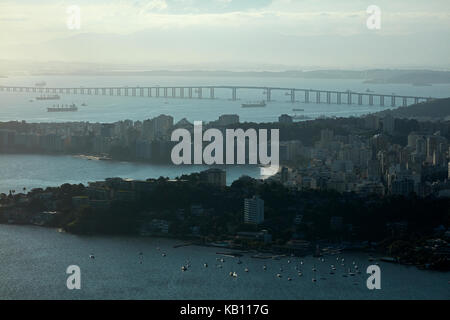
x: 41, y: 171
x: 33, y: 263
x: 33, y: 260
x: 14, y: 106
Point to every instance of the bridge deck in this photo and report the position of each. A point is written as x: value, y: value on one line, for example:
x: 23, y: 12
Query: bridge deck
x: 197, y: 92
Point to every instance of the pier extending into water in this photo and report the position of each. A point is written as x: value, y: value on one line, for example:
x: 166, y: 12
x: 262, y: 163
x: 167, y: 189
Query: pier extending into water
x: 209, y: 92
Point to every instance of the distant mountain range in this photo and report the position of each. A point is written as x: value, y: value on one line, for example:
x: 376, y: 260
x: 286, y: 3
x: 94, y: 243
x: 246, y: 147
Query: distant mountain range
x: 415, y: 77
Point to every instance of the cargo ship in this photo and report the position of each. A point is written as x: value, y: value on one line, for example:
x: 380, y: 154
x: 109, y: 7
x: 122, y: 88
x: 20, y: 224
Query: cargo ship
x: 298, y: 109
x: 49, y: 97
x: 254, y: 104
x: 62, y: 108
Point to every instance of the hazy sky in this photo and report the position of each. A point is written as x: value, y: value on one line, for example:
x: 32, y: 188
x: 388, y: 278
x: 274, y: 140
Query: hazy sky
x: 227, y: 33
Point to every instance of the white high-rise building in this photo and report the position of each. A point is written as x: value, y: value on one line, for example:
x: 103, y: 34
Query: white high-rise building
x: 254, y: 210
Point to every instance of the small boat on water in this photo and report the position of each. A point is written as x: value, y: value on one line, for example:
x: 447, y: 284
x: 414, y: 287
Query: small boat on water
x: 279, y: 275
x: 388, y: 259
x: 183, y: 268
x: 298, y: 109
x: 246, y: 269
x: 91, y: 256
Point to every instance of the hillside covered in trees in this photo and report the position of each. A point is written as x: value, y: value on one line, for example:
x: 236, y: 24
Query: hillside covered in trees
x: 437, y: 109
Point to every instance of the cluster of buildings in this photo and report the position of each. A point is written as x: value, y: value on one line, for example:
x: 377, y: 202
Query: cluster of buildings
x: 368, y: 164
x: 90, y: 138
x: 140, y: 140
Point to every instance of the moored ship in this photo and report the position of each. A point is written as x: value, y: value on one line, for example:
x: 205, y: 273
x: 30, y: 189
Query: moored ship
x: 254, y: 104
x: 62, y: 108
x: 48, y: 97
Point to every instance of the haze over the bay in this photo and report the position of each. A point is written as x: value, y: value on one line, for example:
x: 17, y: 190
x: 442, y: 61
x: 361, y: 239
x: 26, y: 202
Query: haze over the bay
x: 226, y: 34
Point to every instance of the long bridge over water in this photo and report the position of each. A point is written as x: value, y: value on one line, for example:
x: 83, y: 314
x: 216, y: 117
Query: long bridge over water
x: 208, y: 92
